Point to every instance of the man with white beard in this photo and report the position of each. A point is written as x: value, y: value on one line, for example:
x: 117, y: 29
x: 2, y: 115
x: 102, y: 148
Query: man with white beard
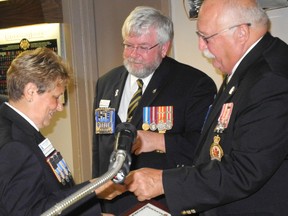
x: 170, y: 114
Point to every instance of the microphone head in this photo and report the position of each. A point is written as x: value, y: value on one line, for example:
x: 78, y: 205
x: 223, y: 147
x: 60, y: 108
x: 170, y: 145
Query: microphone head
x: 127, y: 128
x: 125, y: 134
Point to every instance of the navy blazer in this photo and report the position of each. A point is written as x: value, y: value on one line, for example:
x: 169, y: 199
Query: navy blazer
x: 187, y: 89
x: 28, y: 185
x: 252, y: 177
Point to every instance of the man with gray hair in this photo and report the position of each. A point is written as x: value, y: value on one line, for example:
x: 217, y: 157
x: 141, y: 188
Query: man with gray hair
x: 241, y: 162
x: 168, y: 109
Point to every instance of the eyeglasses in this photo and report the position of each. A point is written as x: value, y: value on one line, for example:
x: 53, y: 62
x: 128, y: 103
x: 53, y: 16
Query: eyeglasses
x: 141, y: 49
x: 206, y: 38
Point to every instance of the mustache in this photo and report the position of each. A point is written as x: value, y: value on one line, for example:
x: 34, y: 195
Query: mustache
x: 208, y: 54
x: 134, y: 61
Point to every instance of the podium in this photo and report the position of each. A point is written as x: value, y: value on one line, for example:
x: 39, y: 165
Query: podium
x: 149, y: 207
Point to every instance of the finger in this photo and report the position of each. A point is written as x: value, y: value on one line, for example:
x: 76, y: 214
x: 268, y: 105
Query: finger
x: 137, y: 152
x: 134, y: 147
x: 131, y: 187
x: 128, y: 180
x: 142, y: 198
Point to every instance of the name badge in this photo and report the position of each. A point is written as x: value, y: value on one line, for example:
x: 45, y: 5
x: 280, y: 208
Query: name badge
x: 104, y: 120
x: 46, y: 147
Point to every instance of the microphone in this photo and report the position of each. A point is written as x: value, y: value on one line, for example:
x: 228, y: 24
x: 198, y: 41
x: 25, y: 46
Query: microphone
x: 125, y: 134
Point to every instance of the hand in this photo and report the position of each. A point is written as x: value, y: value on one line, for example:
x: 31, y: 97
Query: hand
x: 148, y: 141
x: 110, y: 190
x: 145, y: 183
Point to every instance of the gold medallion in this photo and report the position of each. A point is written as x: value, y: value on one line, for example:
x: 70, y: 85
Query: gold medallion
x: 145, y: 126
x: 24, y: 44
x: 216, y: 151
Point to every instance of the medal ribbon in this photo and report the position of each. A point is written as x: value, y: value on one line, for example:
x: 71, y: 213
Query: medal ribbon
x: 169, y: 117
x: 225, y: 115
x: 153, y: 115
x: 161, y: 113
x: 146, y: 115
x: 59, y: 167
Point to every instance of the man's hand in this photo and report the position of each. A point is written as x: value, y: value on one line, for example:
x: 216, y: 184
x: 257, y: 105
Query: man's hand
x: 148, y: 141
x: 145, y: 183
x: 110, y: 190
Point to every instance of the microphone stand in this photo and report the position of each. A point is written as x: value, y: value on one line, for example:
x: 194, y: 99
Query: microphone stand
x: 119, y: 158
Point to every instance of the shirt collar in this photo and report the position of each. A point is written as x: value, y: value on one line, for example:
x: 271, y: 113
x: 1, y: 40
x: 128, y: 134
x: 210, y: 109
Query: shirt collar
x: 132, y: 80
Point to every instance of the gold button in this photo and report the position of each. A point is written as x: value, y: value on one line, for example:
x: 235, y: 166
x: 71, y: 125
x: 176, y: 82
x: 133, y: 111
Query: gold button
x: 188, y: 212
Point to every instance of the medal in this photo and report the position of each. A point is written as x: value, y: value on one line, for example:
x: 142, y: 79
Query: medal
x: 60, y: 168
x: 224, y: 117
x: 146, y: 118
x: 216, y: 151
x: 145, y: 126
x: 153, y: 119
x: 56, y: 162
x: 161, y: 126
x: 169, y: 117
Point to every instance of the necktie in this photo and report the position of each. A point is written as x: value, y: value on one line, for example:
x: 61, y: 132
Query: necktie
x: 135, y: 100
x: 224, y: 84
x: 226, y: 80
x: 221, y: 90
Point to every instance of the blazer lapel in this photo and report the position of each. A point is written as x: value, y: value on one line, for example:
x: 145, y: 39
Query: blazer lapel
x: 117, y: 91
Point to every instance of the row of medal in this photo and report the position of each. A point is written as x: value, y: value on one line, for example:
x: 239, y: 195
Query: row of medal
x: 59, y: 167
x: 56, y: 162
x: 216, y: 151
x: 158, y: 118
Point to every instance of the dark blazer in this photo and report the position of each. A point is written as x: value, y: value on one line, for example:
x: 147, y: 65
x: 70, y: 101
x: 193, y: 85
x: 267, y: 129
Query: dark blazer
x: 187, y: 89
x: 3, y: 98
x: 252, y: 177
x: 27, y: 183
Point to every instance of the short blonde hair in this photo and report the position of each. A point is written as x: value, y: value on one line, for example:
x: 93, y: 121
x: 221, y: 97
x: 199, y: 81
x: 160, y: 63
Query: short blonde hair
x: 41, y: 66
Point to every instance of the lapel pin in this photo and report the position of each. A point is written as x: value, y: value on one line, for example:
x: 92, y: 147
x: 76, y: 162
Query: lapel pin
x: 154, y: 91
x: 116, y: 92
x: 232, y: 90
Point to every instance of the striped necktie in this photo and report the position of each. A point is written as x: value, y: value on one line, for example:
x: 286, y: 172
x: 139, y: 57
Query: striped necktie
x: 135, y: 100
x: 225, y: 82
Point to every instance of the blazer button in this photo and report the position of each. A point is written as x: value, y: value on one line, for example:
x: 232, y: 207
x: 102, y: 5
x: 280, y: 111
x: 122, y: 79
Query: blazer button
x: 188, y: 212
